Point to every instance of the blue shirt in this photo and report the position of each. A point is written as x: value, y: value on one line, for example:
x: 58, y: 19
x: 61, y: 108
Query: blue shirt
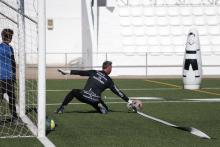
x: 6, y: 62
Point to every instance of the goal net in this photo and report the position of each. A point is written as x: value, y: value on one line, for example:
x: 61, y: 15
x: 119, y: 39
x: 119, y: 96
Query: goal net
x: 20, y: 16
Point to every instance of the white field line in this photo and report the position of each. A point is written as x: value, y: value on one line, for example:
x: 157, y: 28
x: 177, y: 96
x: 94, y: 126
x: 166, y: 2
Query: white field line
x: 6, y: 137
x: 211, y: 88
x: 134, y: 89
x: 158, y: 101
x: 191, y: 130
x: 125, y: 89
x: 135, y: 98
x: 206, y: 100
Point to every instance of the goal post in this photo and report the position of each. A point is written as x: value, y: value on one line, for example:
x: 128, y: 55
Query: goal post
x: 41, y: 69
x: 27, y: 20
x: 21, y: 48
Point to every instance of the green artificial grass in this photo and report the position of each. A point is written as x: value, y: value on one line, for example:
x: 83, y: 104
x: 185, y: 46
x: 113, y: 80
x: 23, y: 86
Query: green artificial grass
x: 81, y: 126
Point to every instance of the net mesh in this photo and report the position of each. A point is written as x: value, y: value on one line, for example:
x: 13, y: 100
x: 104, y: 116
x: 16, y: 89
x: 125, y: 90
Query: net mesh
x: 19, y: 16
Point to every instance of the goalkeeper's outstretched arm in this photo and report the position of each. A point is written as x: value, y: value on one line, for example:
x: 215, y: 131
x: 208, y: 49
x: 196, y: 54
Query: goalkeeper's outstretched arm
x: 63, y: 72
x: 76, y: 72
x: 118, y: 92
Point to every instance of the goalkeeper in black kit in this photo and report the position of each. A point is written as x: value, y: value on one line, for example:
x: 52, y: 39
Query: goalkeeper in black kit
x: 97, y: 82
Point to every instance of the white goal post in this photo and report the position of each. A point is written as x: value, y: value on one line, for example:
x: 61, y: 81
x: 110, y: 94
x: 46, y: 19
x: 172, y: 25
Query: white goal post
x: 27, y: 20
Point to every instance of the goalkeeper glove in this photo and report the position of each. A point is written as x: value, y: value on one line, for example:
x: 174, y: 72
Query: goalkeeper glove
x: 64, y: 72
x: 131, y: 105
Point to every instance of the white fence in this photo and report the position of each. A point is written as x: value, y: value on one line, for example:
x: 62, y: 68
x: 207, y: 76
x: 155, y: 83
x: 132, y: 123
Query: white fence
x: 131, y: 63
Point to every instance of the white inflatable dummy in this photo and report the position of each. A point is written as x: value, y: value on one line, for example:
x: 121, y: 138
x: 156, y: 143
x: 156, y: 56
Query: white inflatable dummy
x: 192, y: 65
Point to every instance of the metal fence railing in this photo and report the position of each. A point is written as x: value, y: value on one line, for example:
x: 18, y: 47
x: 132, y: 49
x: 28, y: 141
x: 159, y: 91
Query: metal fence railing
x: 140, y: 63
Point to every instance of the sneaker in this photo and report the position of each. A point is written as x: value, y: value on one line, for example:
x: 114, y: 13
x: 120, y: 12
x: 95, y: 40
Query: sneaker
x: 102, y: 109
x: 60, y: 110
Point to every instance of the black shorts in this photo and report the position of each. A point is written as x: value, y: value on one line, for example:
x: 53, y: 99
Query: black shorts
x: 192, y: 62
x: 93, y: 101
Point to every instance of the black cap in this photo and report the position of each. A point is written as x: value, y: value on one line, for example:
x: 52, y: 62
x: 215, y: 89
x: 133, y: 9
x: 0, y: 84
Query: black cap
x: 106, y: 64
x: 191, y: 33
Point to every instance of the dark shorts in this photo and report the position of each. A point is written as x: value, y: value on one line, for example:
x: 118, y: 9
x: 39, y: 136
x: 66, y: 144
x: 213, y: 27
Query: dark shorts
x: 97, y: 103
x: 192, y: 62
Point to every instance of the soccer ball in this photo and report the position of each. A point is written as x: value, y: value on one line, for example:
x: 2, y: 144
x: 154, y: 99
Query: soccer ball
x: 135, y: 103
x: 50, y: 125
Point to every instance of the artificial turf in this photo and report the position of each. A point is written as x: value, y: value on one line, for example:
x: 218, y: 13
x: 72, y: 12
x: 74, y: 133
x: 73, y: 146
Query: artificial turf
x: 80, y: 125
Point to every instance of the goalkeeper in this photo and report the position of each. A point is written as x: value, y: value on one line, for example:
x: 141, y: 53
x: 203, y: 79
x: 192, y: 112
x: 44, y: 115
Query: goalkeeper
x: 8, y: 71
x: 91, y: 94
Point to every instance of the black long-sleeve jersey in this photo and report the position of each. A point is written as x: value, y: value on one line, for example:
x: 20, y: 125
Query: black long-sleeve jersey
x: 98, y: 81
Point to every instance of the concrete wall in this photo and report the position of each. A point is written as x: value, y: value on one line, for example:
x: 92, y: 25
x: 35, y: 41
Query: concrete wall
x: 150, y: 38
x: 66, y: 34
x: 144, y: 35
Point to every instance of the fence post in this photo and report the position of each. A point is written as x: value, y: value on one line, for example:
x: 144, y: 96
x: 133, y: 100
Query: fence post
x: 106, y: 56
x: 146, y: 64
x: 66, y: 64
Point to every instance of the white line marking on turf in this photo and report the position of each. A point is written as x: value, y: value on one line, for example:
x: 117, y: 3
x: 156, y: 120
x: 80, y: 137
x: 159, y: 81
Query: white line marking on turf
x: 55, y: 104
x: 135, y: 89
x: 145, y: 102
x: 211, y: 88
x: 125, y: 89
x: 147, y: 98
x: 137, y: 98
x: 206, y: 100
x: 191, y: 130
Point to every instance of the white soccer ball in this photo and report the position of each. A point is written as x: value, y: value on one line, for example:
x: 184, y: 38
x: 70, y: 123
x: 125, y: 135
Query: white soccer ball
x: 135, y: 103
